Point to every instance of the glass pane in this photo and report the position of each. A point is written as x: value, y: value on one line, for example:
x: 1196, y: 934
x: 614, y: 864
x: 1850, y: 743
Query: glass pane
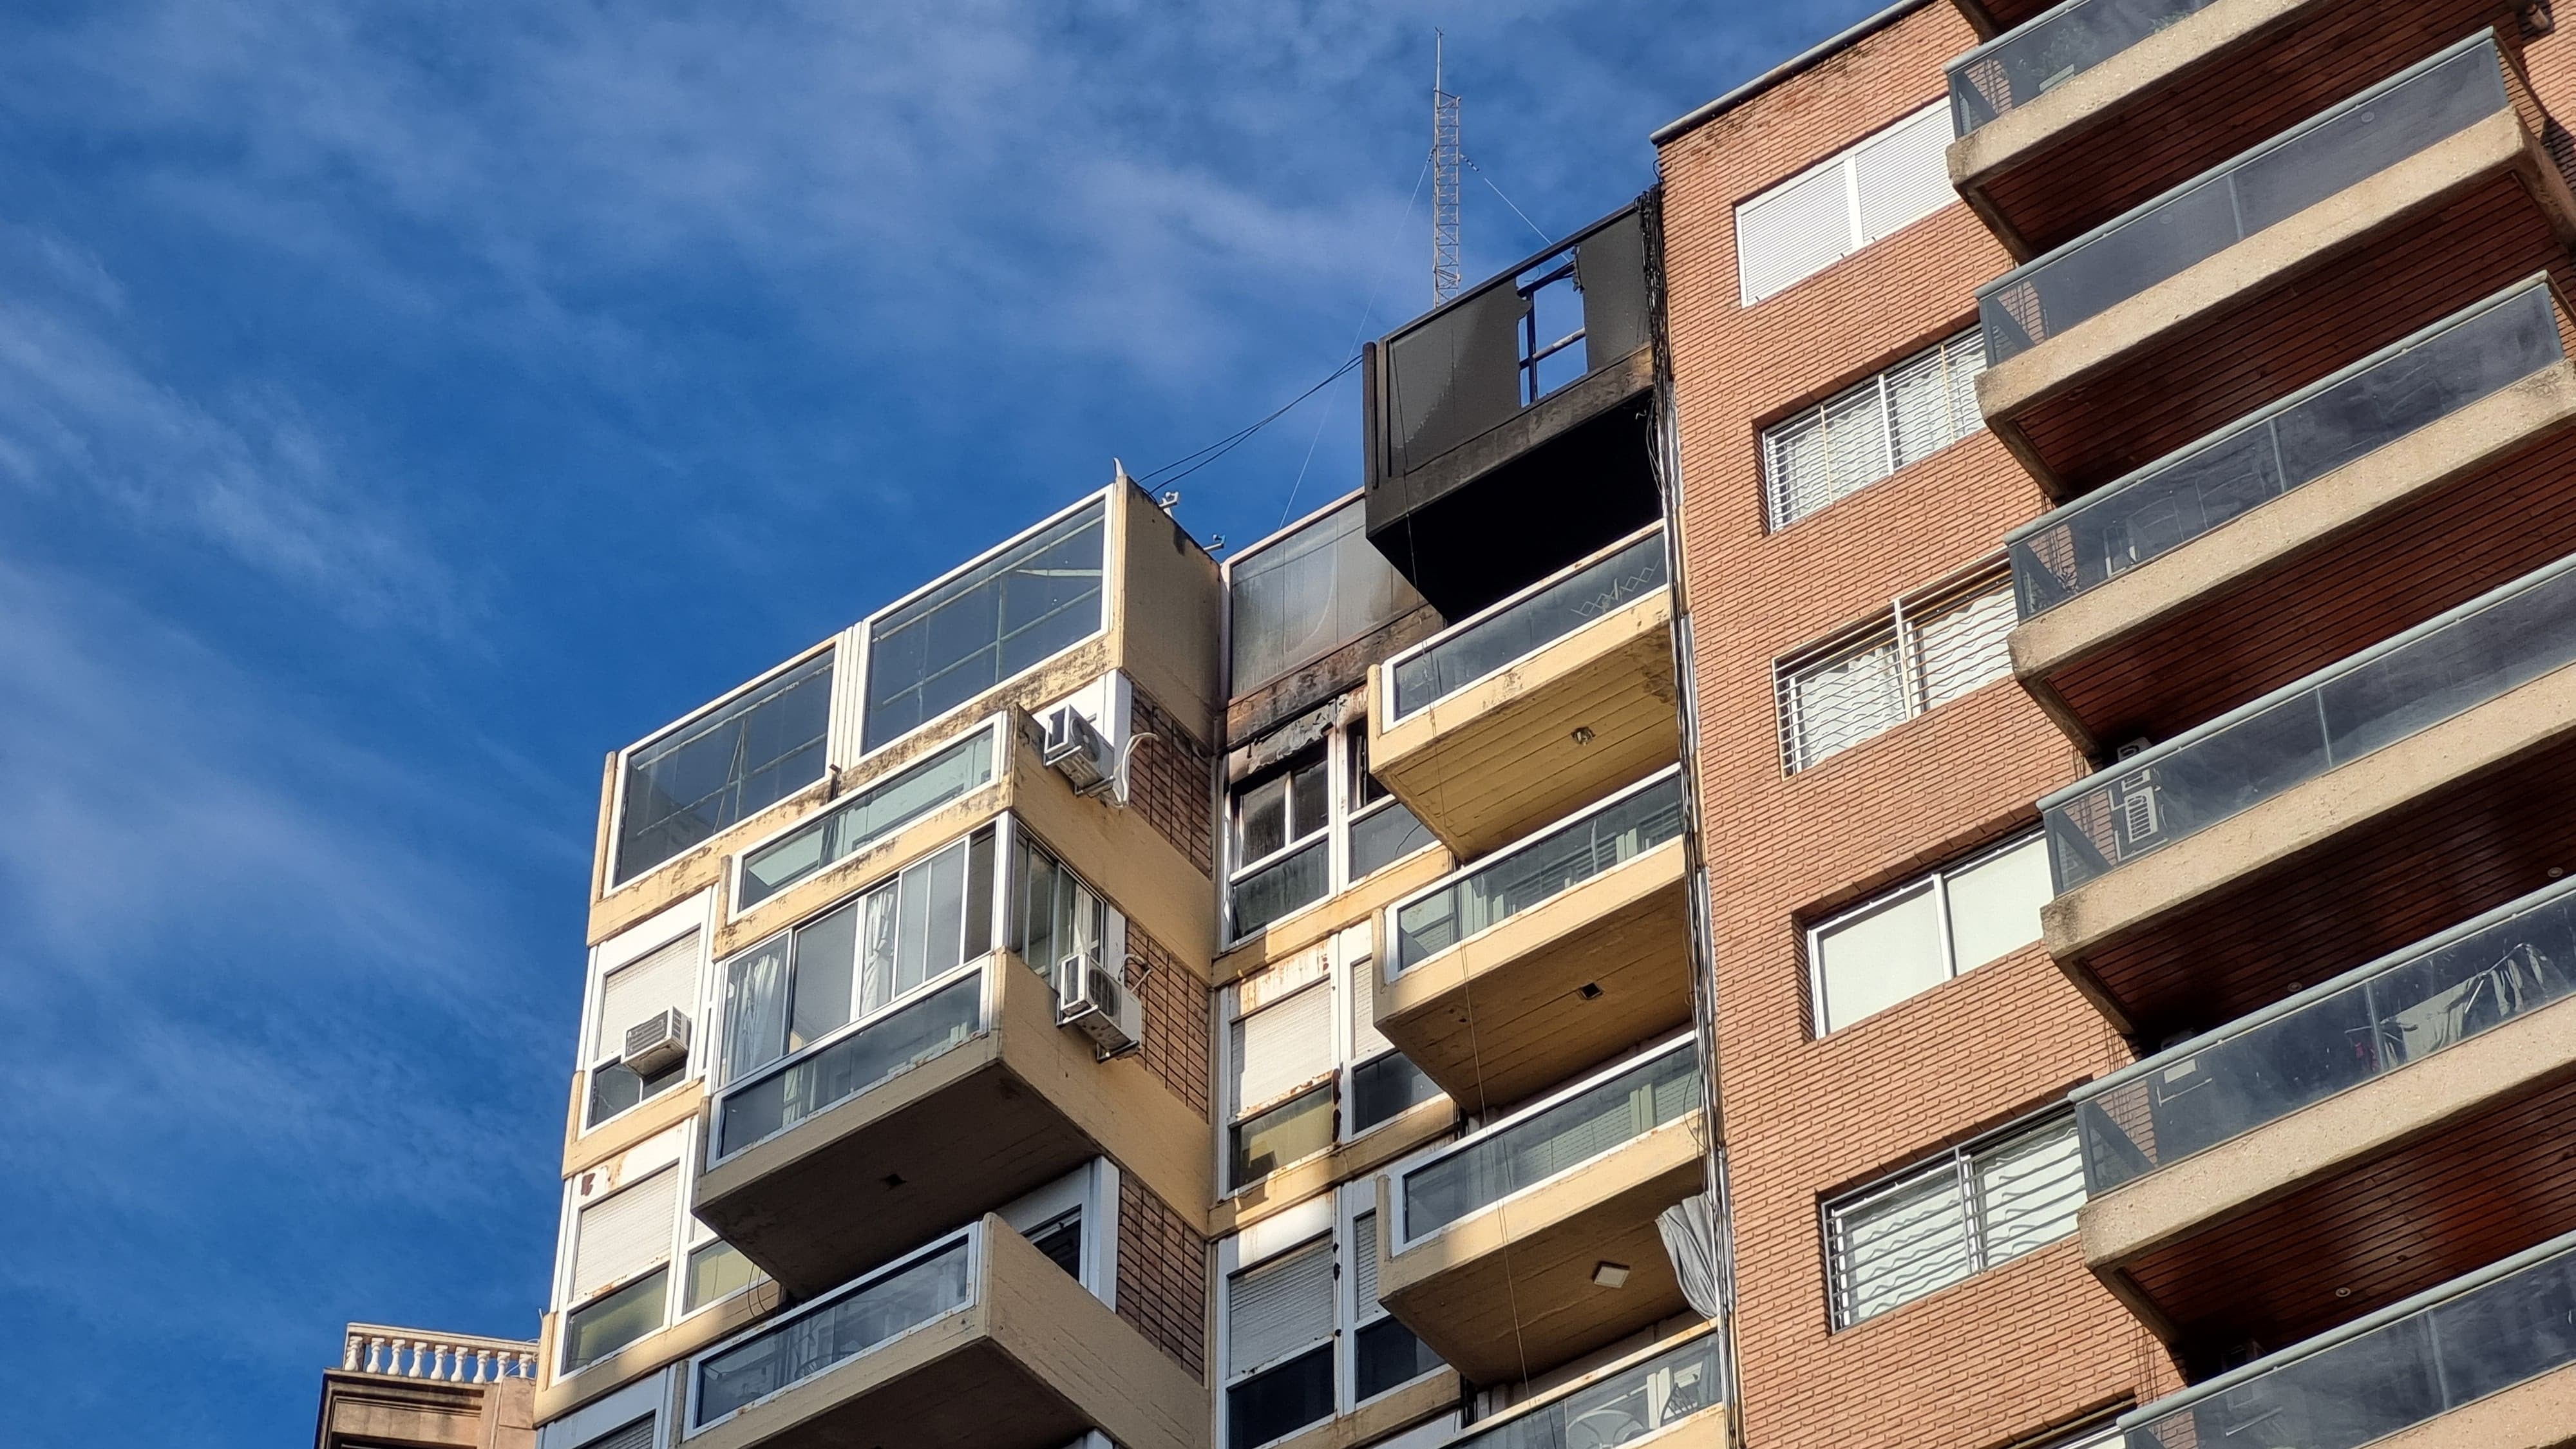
x: 1382, y: 1089
x: 1872, y: 961
x: 1305, y: 596
x: 596, y: 1330
x: 1960, y: 648
x: 832, y: 1333
x: 1034, y: 599
x: 718, y: 1270
x: 825, y: 959
x: 1387, y: 1356
x: 1280, y: 1401
x: 723, y: 767
x: 756, y: 1007
x: 1842, y: 701
x: 1530, y: 1149
x: 1291, y: 1132
x: 2062, y: 44
x: 1297, y: 879
x: 910, y: 1035
x: 867, y: 817
x: 1261, y: 818
x: 1381, y: 839
x: 1538, y: 871
x: 1309, y: 801
x: 1994, y: 904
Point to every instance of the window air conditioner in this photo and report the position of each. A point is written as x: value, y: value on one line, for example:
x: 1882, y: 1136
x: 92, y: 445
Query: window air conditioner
x: 1075, y: 749
x: 1090, y: 997
x: 656, y: 1044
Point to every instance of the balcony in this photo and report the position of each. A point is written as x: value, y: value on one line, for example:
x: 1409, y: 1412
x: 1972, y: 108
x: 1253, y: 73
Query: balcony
x: 1500, y: 1252
x: 1509, y: 432
x: 1553, y: 697
x: 957, y: 1099
x: 2364, y: 503
x: 1547, y: 958
x: 2095, y: 106
x: 1671, y: 1394
x: 2344, y: 1148
x: 404, y: 1386
x: 977, y: 1341
x: 2411, y: 786
x: 2487, y: 1361
x: 2378, y: 217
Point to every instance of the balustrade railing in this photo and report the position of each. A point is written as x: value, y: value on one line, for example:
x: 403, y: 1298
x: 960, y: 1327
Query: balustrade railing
x: 458, y: 1358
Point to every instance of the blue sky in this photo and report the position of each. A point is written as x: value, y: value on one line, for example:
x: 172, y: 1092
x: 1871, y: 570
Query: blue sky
x: 402, y: 405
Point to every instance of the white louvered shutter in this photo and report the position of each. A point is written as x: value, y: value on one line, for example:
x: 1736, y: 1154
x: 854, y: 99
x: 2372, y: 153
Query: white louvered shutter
x: 2028, y: 1191
x: 1283, y: 1046
x: 1963, y: 646
x: 624, y: 1233
x: 666, y: 979
x: 1280, y: 1307
x: 638, y: 1435
x: 1364, y: 1267
x: 1901, y: 1244
x: 1792, y: 231
x: 1365, y: 1040
x: 1901, y: 174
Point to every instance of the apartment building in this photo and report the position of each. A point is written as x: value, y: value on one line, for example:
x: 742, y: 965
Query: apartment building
x: 1916, y: 804
x: 421, y: 1390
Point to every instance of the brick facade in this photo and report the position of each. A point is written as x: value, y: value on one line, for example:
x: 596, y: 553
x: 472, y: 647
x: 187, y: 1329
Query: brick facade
x: 1176, y: 1019
x: 1162, y: 1276
x: 1168, y: 783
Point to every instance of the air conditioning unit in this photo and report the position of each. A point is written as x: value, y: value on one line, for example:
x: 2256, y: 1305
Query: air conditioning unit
x: 656, y: 1044
x: 1090, y: 997
x: 1077, y: 750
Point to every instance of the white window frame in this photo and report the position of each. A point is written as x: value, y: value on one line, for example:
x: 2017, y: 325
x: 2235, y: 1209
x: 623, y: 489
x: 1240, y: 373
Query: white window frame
x: 1937, y: 881
x: 663, y: 1152
x: 1894, y: 626
x: 647, y: 1397
x: 1960, y: 1160
x: 617, y: 808
x: 692, y: 916
x: 1331, y: 966
x: 1846, y: 160
x: 1344, y: 744
x: 1777, y: 505
x: 1352, y: 1201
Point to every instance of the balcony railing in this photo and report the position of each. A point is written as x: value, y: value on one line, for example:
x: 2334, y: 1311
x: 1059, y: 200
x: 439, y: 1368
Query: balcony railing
x: 458, y: 1358
x: 1624, y: 1404
x: 856, y: 1319
x: 1479, y: 360
x: 1485, y: 644
x: 1546, y: 1140
x: 1618, y: 830
x: 2399, y: 118
x: 2188, y: 494
x: 2439, y: 669
x: 2406, y: 1365
x: 862, y: 1055
x: 868, y: 817
x: 2366, y: 1023
x: 2027, y: 62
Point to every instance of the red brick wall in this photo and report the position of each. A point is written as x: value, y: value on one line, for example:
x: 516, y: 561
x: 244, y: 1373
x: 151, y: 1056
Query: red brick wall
x: 2036, y: 1342
x: 1176, y: 1019
x: 1171, y: 780
x: 1162, y: 1276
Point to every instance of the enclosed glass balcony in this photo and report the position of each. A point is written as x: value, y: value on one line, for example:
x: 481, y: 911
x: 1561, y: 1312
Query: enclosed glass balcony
x: 1658, y: 1391
x: 2021, y: 65
x: 1537, y: 871
x: 2348, y: 144
x: 2462, y: 1349
x: 1519, y: 627
x: 858, y: 1319
x: 2431, y: 673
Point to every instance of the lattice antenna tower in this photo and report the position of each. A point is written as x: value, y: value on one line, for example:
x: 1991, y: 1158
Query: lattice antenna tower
x: 1445, y: 157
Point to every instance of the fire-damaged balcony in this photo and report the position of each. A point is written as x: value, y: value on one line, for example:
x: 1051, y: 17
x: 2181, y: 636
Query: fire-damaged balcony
x: 2378, y: 217
x: 1551, y: 698
x: 976, y: 1341
x: 2409, y: 787
x: 2485, y: 1361
x: 1534, y: 1240
x: 2078, y: 114
x: 2348, y: 1146
x: 1508, y: 433
x: 1546, y: 958
x: 955, y: 1100
x: 2365, y: 503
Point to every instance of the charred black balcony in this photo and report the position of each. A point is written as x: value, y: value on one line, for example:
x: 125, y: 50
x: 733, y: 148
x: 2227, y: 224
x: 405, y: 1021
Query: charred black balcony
x: 1507, y: 433
x: 2075, y: 115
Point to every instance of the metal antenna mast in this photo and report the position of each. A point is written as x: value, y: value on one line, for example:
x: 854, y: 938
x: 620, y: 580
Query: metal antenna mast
x: 1445, y: 153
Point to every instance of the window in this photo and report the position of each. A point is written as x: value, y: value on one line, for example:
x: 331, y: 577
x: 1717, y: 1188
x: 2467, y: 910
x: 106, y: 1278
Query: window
x: 1054, y: 915
x: 1036, y: 597
x: 1645, y: 816
x: 1928, y: 649
x: 716, y: 1272
x: 633, y: 995
x: 1302, y: 1053
x: 1283, y: 850
x: 1862, y: 195
x: 1853, y: 439
x: 865, y: 818
x: 638, y: 1435
x: 626, y: 1226
x: 1309, y: 593
x: 1961, y: 1213
x: 1303, y: 1335
x: 722, y: 767
x: 2099, y: 1436
x: 1926, y: 931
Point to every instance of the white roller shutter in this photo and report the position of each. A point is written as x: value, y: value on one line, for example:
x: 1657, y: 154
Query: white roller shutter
x: 624, y: 1233
x: 1282, y: 1047
x: 1364, y: 1266
x: 1793, y: 231
x: 1365, y: 1040
x: 1280, y: 1307
x: 638, y: 1435
x: 1900, y: 175
x: 667, y: 979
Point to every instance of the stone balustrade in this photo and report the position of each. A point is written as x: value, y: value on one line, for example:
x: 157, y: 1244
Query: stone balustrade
x: 411, y: 1353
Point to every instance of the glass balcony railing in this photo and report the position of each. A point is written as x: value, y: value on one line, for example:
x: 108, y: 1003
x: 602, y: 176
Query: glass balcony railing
x: 1485, y: 644
x: 2406, y: 1365
x: 1540, y: 1142
x: 2439, y: 669
x: 863, y: 1055
x: 2399, y: 118
x: 1539, y: 869
x: 2186, y: 495
x: 870, y: 816
x: 2027, y: 62
x: 2366, y: 1023
x: 1626, y: 1404
x: 868, y: 1314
